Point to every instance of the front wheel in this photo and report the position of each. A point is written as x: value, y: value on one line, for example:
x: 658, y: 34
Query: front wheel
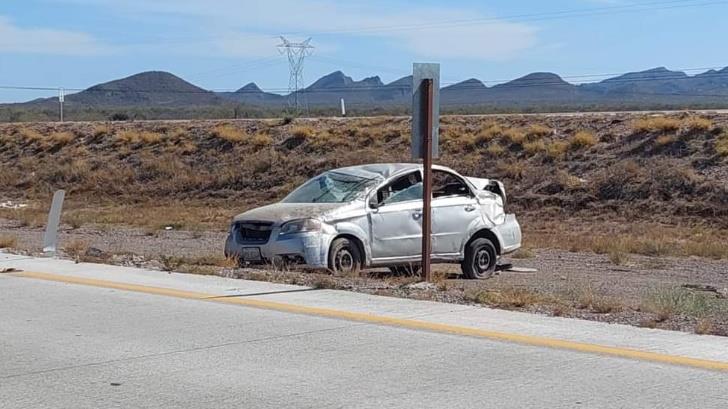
x: 345, y: 259
x: 480, y: 259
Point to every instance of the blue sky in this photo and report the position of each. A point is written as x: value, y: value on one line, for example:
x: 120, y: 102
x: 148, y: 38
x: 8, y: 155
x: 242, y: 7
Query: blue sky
x: 223, y: 44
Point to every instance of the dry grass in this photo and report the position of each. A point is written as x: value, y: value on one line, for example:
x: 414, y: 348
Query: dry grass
x: 585, y: 297
x: 656, y: 124
x: 507, y: 298
x: 229, y: 133
x: 8, y: 241
x: 632, y: 238
x: 721, y: 144
x: 523, y: 253
x: 535, y: 147
x: 61, y: 138
x: 583, y: 139
x: 697, y: 123
x: 515, y: 136
x: 303, y: 131
x: 664, y: 140
x: 495, y: 149
x: 557, y: 149
x: 513, y: 170
x: 667, y: 303
x: 30, y: 134
x: 704, y: 326
x: 133, y: 137
x: 261, y: 139
x: 536, y: 131
x: 488, y: 132
x: 76, y: 249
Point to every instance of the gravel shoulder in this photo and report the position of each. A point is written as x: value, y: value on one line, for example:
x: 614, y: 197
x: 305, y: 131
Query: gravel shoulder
x: 686, y: 294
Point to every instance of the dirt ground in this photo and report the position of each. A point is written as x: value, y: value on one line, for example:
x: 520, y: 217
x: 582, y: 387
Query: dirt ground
x: 678, y: 293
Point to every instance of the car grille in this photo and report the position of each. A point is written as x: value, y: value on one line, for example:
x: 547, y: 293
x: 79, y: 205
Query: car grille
x: 253, y: 232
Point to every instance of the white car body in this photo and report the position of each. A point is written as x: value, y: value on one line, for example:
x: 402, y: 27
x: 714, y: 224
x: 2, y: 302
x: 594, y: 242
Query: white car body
x: 387, y: 233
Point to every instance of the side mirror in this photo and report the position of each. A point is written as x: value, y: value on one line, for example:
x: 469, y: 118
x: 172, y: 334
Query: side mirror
x: 373, y: 203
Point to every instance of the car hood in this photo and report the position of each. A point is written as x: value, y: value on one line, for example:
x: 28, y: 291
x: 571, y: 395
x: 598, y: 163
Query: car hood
x: 282, y: 212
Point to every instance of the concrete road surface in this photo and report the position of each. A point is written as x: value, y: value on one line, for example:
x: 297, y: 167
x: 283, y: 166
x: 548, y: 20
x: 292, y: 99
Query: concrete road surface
x: 92, y: 336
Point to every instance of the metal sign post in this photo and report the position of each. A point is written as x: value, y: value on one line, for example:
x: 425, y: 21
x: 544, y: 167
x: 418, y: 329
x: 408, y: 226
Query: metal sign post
x: 425, y: 136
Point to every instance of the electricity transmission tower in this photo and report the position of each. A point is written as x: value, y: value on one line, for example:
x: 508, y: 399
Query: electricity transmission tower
x: 296, y: 53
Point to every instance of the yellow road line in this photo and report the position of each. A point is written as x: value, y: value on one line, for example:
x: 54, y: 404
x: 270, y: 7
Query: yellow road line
x: 397, y: 322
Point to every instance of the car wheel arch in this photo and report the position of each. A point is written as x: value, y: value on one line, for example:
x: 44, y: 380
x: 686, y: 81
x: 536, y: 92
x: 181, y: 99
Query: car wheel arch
x: 486, y: 234
x: 356, y: 240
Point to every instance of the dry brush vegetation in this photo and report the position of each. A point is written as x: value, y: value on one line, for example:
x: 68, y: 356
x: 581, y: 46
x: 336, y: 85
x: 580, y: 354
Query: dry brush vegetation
x: 656, y: 169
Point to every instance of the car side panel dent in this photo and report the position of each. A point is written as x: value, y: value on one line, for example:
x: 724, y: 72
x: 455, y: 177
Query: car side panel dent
x: 354, y: 230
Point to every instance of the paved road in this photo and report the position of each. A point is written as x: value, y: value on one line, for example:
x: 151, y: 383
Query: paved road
x: 77, y: 346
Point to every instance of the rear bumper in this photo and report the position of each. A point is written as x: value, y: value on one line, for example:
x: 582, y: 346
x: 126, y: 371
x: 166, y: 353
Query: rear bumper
x: 306, y: 249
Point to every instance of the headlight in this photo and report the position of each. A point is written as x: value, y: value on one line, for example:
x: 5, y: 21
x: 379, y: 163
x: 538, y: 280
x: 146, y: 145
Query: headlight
x: 300, y: 226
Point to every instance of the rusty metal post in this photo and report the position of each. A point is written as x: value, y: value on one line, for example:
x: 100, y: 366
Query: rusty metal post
x: 427, y: 94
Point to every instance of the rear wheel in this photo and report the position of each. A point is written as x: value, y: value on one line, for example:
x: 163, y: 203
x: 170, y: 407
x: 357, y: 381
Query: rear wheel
x: 480, y: 259
x: 345, y: 257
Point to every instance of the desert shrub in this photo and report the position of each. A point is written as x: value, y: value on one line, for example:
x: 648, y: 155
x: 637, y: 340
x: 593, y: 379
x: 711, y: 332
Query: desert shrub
x: 697, y: 123
x: 622, y: 181
x: 303, y: 132
x: 488, y: 132
x: 656, y: 124
x: 671, y: 179
x: 261, y: 139
x: 666, y: 303
x: 557, y: 149
x: 537, y: 131
x: 229, y: 133
x: 513, y: 170
x: 30, y: 134
x: 583, y: 139
x: 721, y: 144
x: 62, y: 138
x: 514, y: 135
x: 534, y: 147
x: 495, y: 149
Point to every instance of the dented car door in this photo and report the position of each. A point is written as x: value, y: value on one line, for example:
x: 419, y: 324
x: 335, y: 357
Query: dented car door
x: 395, y: 219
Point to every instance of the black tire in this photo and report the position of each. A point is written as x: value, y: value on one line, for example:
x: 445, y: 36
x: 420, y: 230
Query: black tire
x: 345, y: 258
x: 480, y: 259
x: 405, y: 270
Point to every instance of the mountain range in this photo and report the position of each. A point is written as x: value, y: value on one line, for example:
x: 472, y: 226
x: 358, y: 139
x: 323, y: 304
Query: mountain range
x: 654, y: 87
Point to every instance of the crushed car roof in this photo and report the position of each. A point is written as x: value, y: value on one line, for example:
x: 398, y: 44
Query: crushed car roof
x: 377, y: 170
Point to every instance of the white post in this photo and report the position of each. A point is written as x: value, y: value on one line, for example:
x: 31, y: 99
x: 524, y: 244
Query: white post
x: 61, y: 98
x: 50, y: 238
x: 343, y: 107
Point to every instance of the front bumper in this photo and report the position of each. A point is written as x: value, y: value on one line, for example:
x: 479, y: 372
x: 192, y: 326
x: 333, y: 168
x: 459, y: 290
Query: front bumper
x: 308, y: 249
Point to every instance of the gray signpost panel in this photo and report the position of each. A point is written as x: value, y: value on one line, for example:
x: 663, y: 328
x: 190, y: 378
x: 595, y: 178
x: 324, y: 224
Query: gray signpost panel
x: 421, y: 71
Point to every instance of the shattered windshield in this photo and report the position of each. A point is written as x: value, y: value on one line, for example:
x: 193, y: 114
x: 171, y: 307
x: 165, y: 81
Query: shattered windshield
x: 331, y: 187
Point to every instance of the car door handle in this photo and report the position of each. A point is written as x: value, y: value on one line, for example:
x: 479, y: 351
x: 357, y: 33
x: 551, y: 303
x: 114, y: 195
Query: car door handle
x: 469, y: 208
x: 417, y: 215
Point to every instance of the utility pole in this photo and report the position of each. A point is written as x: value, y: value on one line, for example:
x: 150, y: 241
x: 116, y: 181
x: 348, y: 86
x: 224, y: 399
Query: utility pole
x: 61, y: 99
x: 296, y: 53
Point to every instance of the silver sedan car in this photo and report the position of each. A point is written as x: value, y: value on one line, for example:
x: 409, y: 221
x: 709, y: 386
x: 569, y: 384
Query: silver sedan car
x: 371, y: 216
